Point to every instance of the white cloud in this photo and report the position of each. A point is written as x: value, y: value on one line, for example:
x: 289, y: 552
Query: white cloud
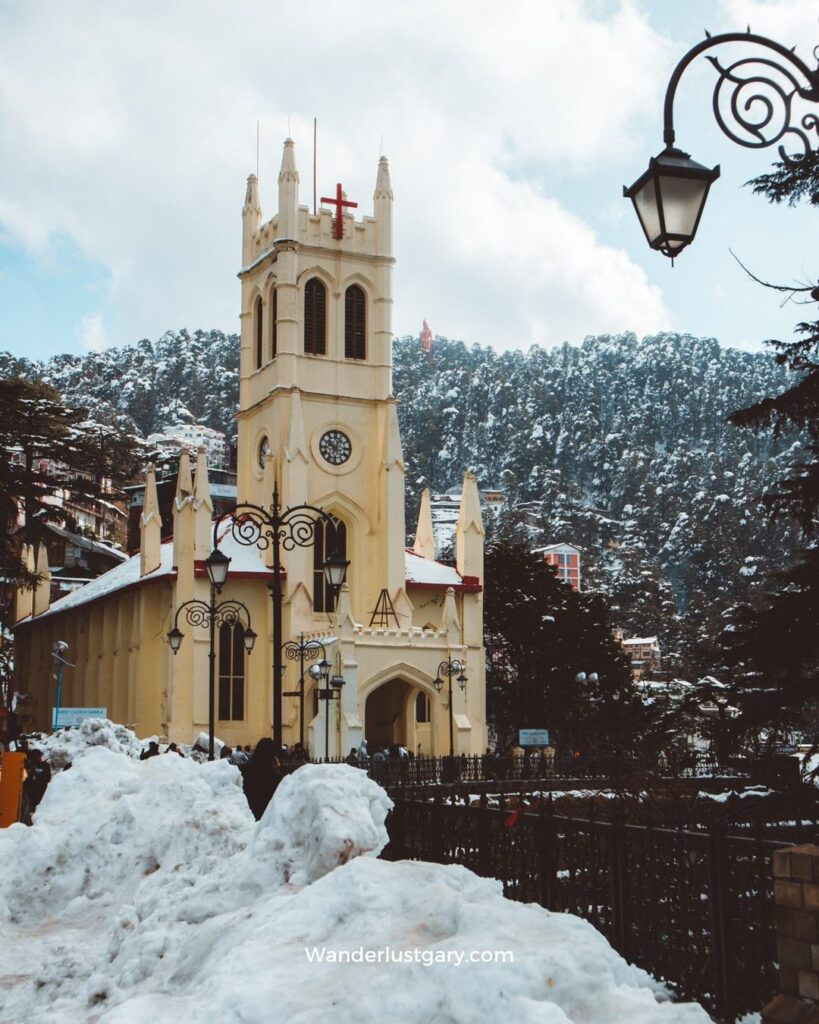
x: 132, y: 129
x: 91, y: 332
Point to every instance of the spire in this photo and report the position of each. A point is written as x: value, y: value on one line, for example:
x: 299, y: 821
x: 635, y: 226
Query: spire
x: 184, y: 480
x: 383, y: 188
x: 252, y: 194
x: 382, y: 203
x: 424, y: 534
x: 469, y: 531
x: 150, y: 526
x: 450, y: 623
x: 201, y: 491
x: 251, y: 218
x: 203, y: 508
x: 289, y: 171
x: 42, y: 589
x: 288, y: 193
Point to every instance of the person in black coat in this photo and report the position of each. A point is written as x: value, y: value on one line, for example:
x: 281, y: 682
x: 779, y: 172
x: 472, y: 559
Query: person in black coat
x: 38, y: 776
x: 261, y: 775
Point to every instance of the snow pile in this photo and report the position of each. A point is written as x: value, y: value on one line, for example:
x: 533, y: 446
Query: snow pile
x: 60, y: 748
x: 145, y: 891
x: 322, y: 817
x: 112, y: 821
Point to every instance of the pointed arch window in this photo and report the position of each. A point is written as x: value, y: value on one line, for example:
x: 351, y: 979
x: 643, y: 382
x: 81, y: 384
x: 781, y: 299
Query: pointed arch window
x: 355, y: 323
x: 329, y: 538
x: 257, y: 327
x: 274, y: 316
x: 422, y: 707
x: 231, y: 672
x: 315, y: 317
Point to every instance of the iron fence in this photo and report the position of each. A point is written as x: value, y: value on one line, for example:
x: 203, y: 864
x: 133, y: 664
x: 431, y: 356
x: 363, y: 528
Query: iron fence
x: 695, y: 909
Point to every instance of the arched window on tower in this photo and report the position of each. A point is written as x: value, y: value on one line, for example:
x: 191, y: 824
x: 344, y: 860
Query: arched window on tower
x: 231, y: 672
x: 355, y: 323
x: 257, y: 326
x: 315, y: 317
x: 274, y: 327
x: 330, y: 538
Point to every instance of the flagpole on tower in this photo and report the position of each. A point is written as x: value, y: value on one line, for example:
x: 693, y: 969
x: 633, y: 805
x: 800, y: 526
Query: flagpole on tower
x: 257, y: 149
x: 315, y: 122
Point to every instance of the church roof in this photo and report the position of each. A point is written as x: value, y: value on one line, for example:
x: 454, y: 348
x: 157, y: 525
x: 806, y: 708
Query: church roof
x: 245, y: 562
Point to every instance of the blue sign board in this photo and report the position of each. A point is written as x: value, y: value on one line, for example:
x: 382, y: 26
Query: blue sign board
x: 74, y: 716
x: 533, y: 737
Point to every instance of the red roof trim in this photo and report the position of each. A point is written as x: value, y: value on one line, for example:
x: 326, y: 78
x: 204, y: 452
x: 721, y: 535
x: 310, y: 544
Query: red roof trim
x: 201, y: 572
x: 470, y: 587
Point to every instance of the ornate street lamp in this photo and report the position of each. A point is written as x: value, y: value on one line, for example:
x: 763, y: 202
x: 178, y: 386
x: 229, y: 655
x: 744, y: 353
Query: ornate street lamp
x: 330, y: 691
x: 303, y: 651
x: 257, y: 526
x: 211, y: 614
x: 756, y: 93
x: 450, y: 668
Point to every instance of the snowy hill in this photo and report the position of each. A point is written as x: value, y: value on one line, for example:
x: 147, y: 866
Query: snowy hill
x: 619, y: 445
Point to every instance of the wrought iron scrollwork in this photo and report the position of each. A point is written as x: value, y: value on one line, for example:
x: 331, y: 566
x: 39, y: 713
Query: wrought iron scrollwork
x: 755, y: 97
x: 759, y: 95
x: 256, y: 526
x: 198, y: 613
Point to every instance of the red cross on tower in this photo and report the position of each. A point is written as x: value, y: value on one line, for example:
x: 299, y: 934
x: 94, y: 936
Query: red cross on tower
x: 339, y: 202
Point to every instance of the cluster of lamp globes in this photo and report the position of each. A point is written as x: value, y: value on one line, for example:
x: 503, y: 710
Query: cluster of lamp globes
x: 217, y: 564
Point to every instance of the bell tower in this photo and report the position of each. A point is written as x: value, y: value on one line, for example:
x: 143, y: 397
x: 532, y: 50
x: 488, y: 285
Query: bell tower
x: 316, y: 411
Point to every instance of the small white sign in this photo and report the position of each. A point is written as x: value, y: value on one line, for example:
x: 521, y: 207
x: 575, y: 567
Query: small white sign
x: 73, y: 716
x: 533, y: 737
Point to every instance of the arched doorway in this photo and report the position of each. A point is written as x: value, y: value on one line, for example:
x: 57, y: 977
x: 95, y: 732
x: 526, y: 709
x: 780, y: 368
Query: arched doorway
x: 397, y: 712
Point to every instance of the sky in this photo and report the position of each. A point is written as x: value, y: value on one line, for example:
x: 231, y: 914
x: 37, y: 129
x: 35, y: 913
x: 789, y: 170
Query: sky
x: 127, y: 132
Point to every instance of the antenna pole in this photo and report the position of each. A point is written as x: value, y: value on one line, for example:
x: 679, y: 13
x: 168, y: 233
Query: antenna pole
x: 315, y: 120
x: 257, y: 148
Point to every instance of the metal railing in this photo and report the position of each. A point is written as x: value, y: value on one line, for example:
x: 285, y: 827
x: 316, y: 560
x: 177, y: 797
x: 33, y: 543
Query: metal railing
x: 695, y: 909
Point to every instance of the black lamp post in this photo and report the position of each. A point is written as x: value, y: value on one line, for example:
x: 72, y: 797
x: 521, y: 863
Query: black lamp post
x: 330, y: 691
x: 257, y: 526
x: 303, y: 650
x: 211, y: 614
x: 450, y: 668
x: 757, y: 93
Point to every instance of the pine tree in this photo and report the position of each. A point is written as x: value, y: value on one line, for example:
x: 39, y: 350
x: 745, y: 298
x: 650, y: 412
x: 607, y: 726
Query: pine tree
x: 540, y: 635
x: 774, y: 648
x: 38, y: 432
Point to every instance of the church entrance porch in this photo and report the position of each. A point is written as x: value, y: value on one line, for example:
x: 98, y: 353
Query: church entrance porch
x: 398, y: 713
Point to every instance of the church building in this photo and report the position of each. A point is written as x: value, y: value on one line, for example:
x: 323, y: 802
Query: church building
x: 317, y: 421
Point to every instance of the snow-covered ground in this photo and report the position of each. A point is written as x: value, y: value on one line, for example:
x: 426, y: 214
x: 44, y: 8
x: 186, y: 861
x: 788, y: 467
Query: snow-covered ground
x: 145, y: 891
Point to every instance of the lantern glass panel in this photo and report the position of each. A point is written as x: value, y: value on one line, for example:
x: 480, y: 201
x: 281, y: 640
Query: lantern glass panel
x: 682, y: 201
x: 645, y: 203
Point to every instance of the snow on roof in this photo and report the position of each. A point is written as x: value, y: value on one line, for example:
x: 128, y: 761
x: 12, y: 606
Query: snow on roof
x: 562, y: 546
x: 244, y: 561
x: 643, y: 641
x: 86, y: 542
x: 118, y: 578
x: 424, y: 572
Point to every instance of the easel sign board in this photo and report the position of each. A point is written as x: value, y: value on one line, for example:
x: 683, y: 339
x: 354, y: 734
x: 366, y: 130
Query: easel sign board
x: 75, y: 716
x: 533, y: 737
